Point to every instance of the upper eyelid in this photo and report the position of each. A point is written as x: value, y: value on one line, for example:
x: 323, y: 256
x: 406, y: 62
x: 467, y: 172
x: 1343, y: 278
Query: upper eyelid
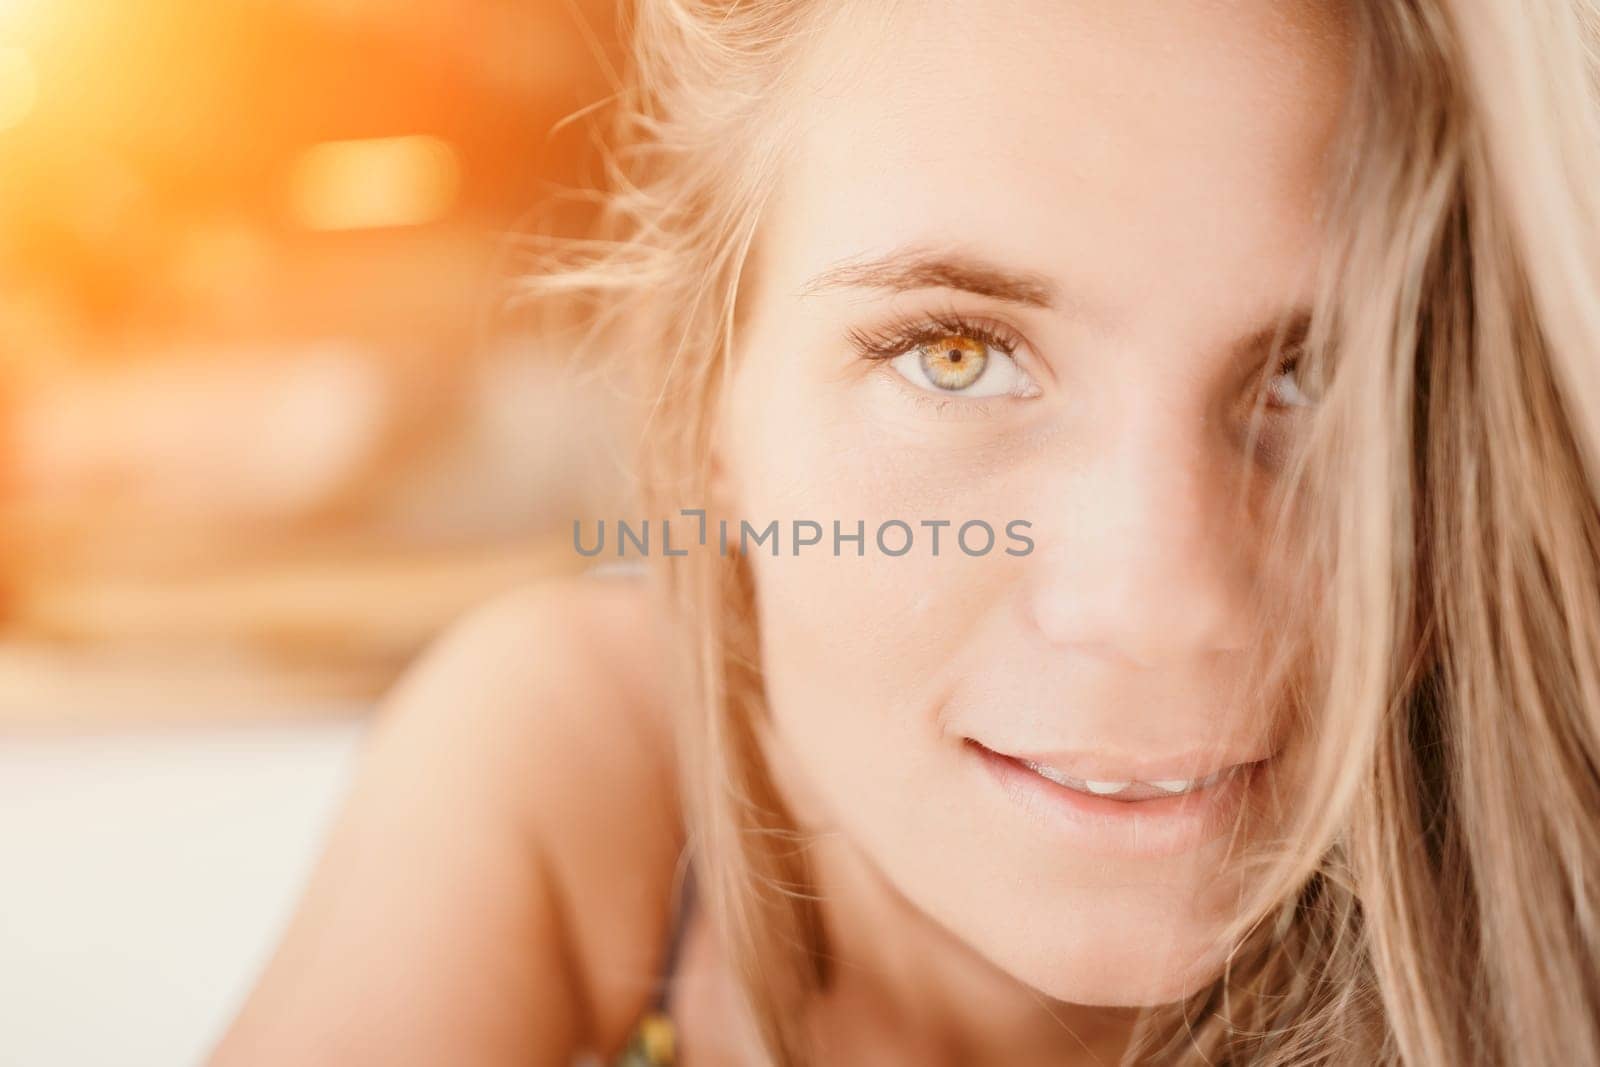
x: 904, y: 333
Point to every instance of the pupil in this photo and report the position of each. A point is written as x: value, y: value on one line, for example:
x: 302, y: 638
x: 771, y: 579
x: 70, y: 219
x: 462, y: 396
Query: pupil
x: 955, y: 355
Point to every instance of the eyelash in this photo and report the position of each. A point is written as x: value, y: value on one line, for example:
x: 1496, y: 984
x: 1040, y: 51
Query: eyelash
x: 897, y: 338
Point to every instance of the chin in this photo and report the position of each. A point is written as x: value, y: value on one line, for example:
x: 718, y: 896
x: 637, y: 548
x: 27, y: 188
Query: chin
x: 1106, y: 972
x: 1114, y: 947
x: 1133, y: 979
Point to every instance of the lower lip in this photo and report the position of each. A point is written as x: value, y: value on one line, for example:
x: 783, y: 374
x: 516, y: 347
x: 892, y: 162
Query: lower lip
x: 1155, y: 828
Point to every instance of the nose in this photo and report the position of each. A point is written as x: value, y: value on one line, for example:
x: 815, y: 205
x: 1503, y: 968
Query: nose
x: 1150, y: 559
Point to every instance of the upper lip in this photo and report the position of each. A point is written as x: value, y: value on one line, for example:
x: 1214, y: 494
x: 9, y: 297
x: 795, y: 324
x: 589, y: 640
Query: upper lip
x: 1190, y: 765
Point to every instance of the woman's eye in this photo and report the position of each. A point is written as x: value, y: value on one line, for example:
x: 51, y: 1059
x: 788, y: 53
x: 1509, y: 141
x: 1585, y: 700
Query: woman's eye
x: 1284, y: 389
x: 964, y: 365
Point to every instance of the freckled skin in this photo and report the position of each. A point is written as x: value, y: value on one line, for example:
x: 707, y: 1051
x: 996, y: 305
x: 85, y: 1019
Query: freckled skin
x: 1162, y: 165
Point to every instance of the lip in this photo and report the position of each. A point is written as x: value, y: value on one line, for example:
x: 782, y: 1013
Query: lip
x: 1151, y: 829
x: 1193, y: 764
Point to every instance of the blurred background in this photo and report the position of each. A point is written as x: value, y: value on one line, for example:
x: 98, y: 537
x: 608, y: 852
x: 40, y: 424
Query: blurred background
x: 270, y: 421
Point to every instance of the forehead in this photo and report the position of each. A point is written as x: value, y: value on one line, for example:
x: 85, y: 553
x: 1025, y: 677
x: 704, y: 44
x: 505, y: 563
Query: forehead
x: 1123, y: 147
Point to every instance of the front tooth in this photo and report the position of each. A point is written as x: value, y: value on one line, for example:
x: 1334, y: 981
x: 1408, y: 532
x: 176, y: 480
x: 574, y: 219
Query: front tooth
x: 1173, y: 785
x: 1105, y: 788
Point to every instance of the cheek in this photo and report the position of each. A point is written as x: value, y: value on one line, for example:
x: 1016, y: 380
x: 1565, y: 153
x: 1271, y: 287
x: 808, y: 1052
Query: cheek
x: 856, y: 656
x: 858, y: 645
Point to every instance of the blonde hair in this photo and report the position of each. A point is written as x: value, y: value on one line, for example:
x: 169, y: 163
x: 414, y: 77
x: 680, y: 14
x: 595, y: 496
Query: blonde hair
x: 1441, y: 901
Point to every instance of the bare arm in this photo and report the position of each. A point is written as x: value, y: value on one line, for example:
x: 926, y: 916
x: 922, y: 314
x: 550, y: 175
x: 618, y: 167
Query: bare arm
x: 495, y: 889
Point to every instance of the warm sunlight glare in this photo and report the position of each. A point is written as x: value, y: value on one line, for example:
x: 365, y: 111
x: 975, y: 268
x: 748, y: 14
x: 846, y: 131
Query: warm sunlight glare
x: 19, y: 86
x: 386, y: 181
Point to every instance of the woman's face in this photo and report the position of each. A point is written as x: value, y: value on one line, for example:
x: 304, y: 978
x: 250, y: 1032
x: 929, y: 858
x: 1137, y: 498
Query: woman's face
x: 1024, y: 265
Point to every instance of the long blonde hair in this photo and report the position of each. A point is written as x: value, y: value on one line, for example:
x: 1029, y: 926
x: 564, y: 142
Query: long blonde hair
x: 1441, y: 901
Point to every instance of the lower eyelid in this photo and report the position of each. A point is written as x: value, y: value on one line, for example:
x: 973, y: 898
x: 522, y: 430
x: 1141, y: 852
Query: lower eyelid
x: 944, y: 405
x: 950, y: 403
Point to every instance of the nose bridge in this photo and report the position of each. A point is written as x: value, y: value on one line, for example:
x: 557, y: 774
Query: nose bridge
x: 1151, y: 565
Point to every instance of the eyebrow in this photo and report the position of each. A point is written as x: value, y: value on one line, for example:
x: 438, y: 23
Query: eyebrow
x: 907, y: 269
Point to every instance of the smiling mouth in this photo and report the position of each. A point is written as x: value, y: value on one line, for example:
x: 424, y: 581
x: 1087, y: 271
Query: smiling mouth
x: 1127, y: 790
x: 1150, y: 817
x: 1133, y: 790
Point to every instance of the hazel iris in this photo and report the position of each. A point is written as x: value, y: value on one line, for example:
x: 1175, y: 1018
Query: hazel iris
x: 954, y: 362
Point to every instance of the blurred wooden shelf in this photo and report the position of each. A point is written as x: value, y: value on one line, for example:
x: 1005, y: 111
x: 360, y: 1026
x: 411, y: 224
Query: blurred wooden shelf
x: 324, y: 635
x: 53, y: 688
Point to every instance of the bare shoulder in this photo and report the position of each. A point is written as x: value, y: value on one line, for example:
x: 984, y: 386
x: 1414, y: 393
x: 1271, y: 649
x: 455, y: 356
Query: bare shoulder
x: 564, y: 680
x: 498, y: 886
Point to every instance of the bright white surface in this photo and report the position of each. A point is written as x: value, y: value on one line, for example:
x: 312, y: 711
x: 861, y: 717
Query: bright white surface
x: 144, y: 879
